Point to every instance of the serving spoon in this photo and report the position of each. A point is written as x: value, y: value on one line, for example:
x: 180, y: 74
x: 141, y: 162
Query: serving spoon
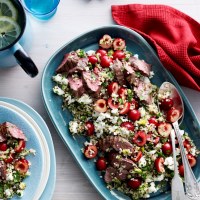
x: 191, y: 184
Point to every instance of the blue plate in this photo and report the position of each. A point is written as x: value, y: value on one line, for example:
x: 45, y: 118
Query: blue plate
x: 89, y: 41
x: 50, y: 185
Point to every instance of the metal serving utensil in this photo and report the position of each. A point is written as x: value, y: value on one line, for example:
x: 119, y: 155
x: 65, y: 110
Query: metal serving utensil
x: 191, y: 184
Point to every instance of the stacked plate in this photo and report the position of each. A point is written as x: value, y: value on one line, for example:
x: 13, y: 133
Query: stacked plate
x: 41, y: 182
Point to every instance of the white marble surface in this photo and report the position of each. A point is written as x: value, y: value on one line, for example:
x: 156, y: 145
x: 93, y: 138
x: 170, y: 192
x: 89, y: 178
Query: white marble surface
x: 72, y: 18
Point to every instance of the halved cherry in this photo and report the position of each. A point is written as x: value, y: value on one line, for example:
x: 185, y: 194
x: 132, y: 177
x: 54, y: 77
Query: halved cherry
x: 172, y: 115
x: 10, y: 158
x: 106, y: 41
x: 187, y: 144
x: 167, y: 148
x: 101, y: 164
x: 105, y: 61
x: 134, y: 183
x: 100, y: 105
x: 112, y: 104
x: 122, y: 92
x: 153, y: 120
x: 113, y: 88
x: 140, y: 138
x: 101, y: 52
x: 137, y: 156
x: 134, y: 114
x: 159, y: 164
x: 21, y: 166
x: 20, y: 147
x: 90, y: 151
x: 192, y: 160
x: 89, y: 128
x: 119, y: 44
x: 125, y: 109
x: 128, y: 125
x: 118, y: 54
x: 3, y: 146
x: 181, y: 170
x: 93, y: 59
x: 164, y: 129
x: 166, y: 103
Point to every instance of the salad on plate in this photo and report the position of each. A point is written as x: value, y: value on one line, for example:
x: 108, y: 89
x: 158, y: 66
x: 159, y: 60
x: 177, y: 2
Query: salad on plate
x: 14, y: 167
x: 125, y: 121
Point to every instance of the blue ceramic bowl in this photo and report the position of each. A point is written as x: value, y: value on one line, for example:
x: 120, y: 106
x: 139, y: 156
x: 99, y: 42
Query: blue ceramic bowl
x: 37, y: 167
x: 89, y: 41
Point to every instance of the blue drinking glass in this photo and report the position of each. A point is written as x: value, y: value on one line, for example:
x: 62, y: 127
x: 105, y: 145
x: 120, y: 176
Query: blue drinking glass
x: 41, y: 9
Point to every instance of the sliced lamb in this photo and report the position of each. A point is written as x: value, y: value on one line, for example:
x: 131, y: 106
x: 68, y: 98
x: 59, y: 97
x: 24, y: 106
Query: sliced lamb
x: 2, y: 133
x: 3, y: 170
x: 76, y: 85
x: 122, y: 175
x: 70, y: 60
x: 140, y: 65
x: 119, y: 72
x: 116, y: 142
x: 144, y: 92
x: 10, y: 129
x: 92, y: 83
x: 110, y: 174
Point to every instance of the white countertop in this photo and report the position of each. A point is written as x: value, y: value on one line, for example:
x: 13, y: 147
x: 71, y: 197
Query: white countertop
x: 72, y: 18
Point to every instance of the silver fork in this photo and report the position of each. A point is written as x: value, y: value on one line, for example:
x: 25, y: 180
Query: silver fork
x: 177, y: 188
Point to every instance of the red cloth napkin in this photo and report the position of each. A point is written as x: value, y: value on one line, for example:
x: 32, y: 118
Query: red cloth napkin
x: 174, y: 35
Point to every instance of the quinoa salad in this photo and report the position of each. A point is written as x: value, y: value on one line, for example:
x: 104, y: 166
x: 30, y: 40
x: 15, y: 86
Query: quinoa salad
x: 125, y: 121
x: 14, y: 167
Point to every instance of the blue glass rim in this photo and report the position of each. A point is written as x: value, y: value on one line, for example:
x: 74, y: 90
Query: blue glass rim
x: 40, y: 14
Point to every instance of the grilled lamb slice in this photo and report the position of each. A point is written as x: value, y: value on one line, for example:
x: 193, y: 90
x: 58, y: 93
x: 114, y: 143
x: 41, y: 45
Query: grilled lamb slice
x: 69, y: 61
x: 116, y: 142
x: 122, y: 174
x: 2, y: 170
x: 9, y: 129
x: 110, y: 174
x: 144, y: 92
x: 92, y: 83
x: 76, y: 85
x: 2, y: 133
x: 140, y: 65
x: 118, y: 70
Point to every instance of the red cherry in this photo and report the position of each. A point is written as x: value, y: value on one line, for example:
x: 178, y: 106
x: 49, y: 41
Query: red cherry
x: 181, y: 170
x: 172, y: 115
x: 159, y: 164
x: 127, y: 125
x: 3, y: 146
x: 134, y: 183
x: 140, y: 138
x: 113, y: 88
x: 112, y: 104
x: 192, y: 160
x: 166, y: 103
x: 21, y: 166
x: 101, y: 164
x: 125, y: 109
x: 101, y: 52
x: 20, y: 147
x: 100, y: 105
x: 93, y: 59
x: 153, y: 121
x: 134, y: 115
x: 90, y: 151
x: 119, y: 44
x: 164, y: 129
x: 106, y: 61
x: 118, y: 55
x: 9, y: 159
x: 167, y: 148
x: 187, y: 144
x: 137, y: 157
x: 89, y: 128
x: 134, y: 104
x: 122, y: 92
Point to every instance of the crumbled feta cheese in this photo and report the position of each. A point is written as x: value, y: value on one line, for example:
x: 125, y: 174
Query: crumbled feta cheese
x: 152, y: 188
x: 85, y: 99
x: 59, y: 78
x: 90, y: 52
x: 169, y: 162
x: 8, y: 192
x: 159, y: 178
x: 73, y: 127
x: 58, y: 90
x: 115, y: 111
x: 142, y: 162
x: 193, y: 151
x: 142, y: 111
x: 20, y: 193
x: 22, y: 185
